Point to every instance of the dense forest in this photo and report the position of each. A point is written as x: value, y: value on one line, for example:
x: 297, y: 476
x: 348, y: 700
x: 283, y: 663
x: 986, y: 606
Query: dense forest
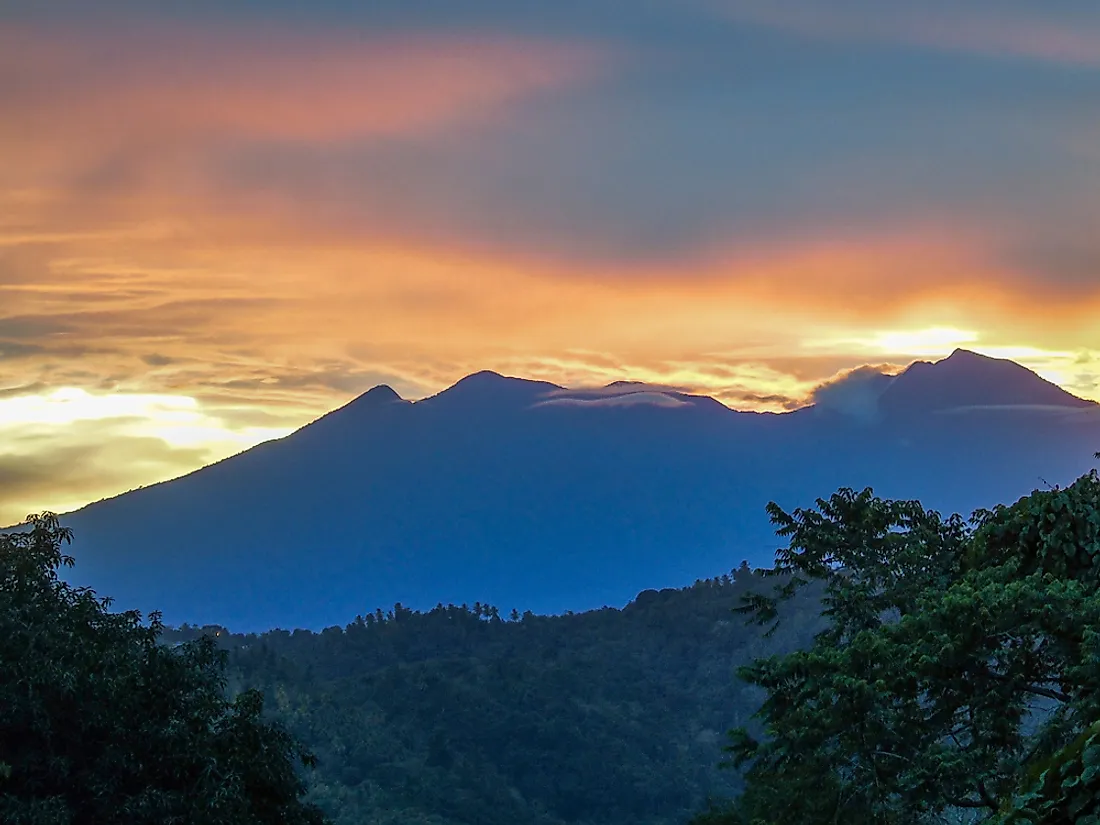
x: 462, y: 715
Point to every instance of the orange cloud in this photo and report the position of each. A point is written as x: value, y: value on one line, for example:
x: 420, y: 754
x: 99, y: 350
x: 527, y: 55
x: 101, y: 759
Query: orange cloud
x: 77, y: 94
x: 271, y: 334
x: 271, y: 299
x: 129, y: 265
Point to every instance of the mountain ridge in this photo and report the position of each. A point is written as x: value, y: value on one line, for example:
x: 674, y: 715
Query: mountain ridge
x: 483, y: 492
x: 966, y: 379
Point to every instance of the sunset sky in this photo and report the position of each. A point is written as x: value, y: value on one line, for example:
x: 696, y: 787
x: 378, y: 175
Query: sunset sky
x: 219, y: 220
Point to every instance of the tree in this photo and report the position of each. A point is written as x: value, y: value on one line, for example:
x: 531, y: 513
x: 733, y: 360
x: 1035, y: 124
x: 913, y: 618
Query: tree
x: 102, y: 723
x: 1062, y: 789
x: 958, y: 658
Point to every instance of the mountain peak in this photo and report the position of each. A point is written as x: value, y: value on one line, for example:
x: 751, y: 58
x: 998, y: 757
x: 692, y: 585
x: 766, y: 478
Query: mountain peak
x: 382, y: 394
x: 483, y: 378
x: 488, y: 392
x: 968, y: 355
x: 970, y: 379
x: 360, y: 408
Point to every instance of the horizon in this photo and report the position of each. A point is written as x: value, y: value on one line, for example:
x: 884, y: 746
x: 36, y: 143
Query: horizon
x: 219, y: 222
x: 833, y: 394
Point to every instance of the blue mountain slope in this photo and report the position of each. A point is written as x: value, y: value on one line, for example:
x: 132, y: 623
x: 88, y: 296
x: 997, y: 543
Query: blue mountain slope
x: 523, y: 494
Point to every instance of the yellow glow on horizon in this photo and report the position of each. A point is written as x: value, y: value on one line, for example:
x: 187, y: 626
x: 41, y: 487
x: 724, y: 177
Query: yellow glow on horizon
x: 65, y: 448
x: 930, y: 341
x: 177, y: 420
x: 1025, y: 354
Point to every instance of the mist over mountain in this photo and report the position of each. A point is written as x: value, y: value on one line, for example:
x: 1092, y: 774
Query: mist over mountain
x: 525, y: 494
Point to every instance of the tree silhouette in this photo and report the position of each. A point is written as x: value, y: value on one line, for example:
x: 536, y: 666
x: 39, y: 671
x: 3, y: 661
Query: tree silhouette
x: 916, y: 703
x: 102, y: 723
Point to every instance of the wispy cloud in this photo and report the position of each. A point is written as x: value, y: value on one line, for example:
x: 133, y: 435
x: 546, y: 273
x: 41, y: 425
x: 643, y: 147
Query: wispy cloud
x: 856, y: 392
x: 992, y: 28
x: 627, y: 399
x: 176, y: 85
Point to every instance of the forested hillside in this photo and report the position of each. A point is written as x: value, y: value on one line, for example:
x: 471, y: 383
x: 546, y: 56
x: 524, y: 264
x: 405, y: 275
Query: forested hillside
x: 916, y: 669
x: 460, y: 715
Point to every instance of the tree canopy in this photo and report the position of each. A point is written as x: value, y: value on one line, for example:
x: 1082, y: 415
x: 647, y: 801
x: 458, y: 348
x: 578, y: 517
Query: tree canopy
x: 957, y: 679
x: 467, y: 715
x: 102, y: 723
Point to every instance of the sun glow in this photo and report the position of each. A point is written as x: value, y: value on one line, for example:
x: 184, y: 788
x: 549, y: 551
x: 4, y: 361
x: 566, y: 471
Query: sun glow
x: 931, y: 341
x: 62, y: 449
x: 177, y: 420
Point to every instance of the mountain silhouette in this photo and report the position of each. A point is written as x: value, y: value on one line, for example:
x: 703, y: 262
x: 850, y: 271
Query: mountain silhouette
x: 529, y: 495
x: 382, y: 394
x: 966, y: 380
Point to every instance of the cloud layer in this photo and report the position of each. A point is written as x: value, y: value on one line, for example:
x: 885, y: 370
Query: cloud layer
x: 267, y: 210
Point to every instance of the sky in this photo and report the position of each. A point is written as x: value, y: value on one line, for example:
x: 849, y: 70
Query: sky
x: 220, y: 220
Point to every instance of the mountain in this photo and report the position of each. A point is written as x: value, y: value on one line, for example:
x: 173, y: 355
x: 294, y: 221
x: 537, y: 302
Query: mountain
x: 525, y: 494
x: 966, y: 379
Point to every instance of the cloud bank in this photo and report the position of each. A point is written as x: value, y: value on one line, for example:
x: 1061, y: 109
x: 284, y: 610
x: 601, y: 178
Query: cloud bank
x: 269, y: 208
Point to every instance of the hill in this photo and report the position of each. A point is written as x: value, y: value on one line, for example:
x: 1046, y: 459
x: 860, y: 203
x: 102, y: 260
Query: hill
x: 459, y: 716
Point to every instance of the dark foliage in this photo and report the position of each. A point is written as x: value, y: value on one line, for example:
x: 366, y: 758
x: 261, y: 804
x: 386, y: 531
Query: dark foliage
x: 101, y: 723
x: 460, y: 715
x: 957, y: 678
